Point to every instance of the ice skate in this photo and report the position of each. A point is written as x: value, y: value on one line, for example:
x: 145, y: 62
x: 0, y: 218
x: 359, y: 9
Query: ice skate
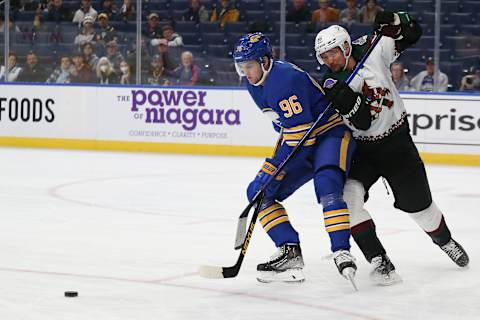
x: 284, y: 266
x: 383, y: 272
x: 345, y: 263
x: 456, y: 252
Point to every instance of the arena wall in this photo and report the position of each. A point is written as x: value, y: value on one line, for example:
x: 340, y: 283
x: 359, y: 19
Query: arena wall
x: 201, y: 120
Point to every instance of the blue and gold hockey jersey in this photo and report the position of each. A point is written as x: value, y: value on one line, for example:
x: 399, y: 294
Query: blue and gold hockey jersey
x: 293, y: 100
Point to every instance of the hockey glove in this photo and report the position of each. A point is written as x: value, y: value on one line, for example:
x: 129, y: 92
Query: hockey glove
x: 388, y: 24
x: 268, y: 169
x: 350, y: 104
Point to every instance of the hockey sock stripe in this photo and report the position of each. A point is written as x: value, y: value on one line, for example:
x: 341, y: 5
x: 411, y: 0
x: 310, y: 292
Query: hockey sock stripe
x: 272, y: 216
x: 270, y: 209
x: 337, y: 227
x: 334, y: 213
x: 275, y: 222
x: 339, y: 219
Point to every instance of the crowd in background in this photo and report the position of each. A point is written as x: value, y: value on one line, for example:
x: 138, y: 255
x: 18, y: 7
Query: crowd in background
x: 96, y: 41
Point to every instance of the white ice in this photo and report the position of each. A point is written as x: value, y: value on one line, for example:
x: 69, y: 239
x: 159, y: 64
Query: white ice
x: 129, y: 231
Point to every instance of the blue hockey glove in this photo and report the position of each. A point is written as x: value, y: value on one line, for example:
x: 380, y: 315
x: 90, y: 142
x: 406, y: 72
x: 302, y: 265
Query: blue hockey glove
x: 268, y: 169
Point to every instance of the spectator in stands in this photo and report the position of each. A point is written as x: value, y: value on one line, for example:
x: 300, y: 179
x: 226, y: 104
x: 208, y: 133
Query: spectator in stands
x: 32, y: 72
x: 369, y: 11
x: 114, y: 55
x: 226, y: 14
x: 401, y: 81
x: 158, y: 75
x: 106, y: 33
x: 57, y: 11
x: 350, y: 14
x: 83, y: 72
x: 173, y: 38
x: 325, y: 13
x: 11, y: 26
x: 86, y: 9
x: 13, y: 69
x: 127, y: 11
x: 187, y: 73
x: 109, y: 8
x: 196, y: 12
x: 153, y: 29
x: 88, y: 33
x: 471, y: 82
x: 163, y: 51
x: 298, y: 12
x: 126, y: 76
x: 424, y: 80
x: 64, y: 73
x: 89, y: 56
x: 105, y: 72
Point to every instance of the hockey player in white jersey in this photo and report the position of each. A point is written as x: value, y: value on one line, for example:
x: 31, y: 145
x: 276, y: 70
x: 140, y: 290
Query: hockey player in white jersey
x: 373, y: 109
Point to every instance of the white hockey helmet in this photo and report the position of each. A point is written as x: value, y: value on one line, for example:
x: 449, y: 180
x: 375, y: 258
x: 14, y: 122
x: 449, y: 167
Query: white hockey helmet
x: 332, y: 37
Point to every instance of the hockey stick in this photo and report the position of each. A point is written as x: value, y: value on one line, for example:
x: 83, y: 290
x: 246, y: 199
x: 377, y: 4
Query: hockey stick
x: 216, y: 272
x: 242, y: 220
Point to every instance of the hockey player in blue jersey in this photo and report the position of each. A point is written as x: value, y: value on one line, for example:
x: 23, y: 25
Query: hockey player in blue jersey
x: 293, y: 101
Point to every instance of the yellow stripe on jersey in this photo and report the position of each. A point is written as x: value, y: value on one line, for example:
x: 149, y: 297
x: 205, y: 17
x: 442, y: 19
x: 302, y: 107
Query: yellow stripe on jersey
x: 344, y: 150
x: 293, y: 135
x: 274, y: 223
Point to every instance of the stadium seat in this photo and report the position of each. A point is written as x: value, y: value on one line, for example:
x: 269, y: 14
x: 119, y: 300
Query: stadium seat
x: 237, y: 27
x: 299, y: 53
x: 209, y: 27
x: 218, y: 50
x: 250, y: 5
x: 185, y: 26
x: 293, y: 39
x: 398, y: 5
x: 217, y: 38
x: 179, y: 4
x: 423, y: 6
x: 255, y: 15
x: 459, y: 18
x: 192, y: 38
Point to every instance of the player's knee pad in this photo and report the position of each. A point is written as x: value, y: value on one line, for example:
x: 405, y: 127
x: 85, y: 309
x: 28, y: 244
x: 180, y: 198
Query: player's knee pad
x: 353, y: 194
x: 328, y: 180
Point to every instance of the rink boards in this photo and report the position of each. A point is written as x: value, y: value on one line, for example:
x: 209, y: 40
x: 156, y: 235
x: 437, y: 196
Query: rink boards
x: 220, y: 121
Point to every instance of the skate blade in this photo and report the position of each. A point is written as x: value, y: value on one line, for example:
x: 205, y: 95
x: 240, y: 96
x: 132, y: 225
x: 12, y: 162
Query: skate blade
x: 349, y: 274
x: 287, y: 276
x: 386, y: 280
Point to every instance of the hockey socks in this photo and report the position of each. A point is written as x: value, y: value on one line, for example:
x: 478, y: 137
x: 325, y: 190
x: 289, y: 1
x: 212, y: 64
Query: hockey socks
x: 366, y: 238
x: 431, y: 220
x: 274, y: 220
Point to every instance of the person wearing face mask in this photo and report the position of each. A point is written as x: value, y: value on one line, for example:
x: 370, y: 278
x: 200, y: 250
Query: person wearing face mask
x: 105, y: 72
x: 125, y: 70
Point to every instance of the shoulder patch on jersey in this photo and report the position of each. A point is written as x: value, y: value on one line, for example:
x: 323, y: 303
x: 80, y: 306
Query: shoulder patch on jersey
x: 360, y: 41
x: 328, y: 83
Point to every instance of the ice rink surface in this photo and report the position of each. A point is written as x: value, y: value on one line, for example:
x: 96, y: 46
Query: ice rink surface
x: 128, y: 232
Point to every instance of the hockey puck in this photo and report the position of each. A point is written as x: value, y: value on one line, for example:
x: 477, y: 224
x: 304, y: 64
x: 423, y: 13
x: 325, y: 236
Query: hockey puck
x: 71, y: 294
